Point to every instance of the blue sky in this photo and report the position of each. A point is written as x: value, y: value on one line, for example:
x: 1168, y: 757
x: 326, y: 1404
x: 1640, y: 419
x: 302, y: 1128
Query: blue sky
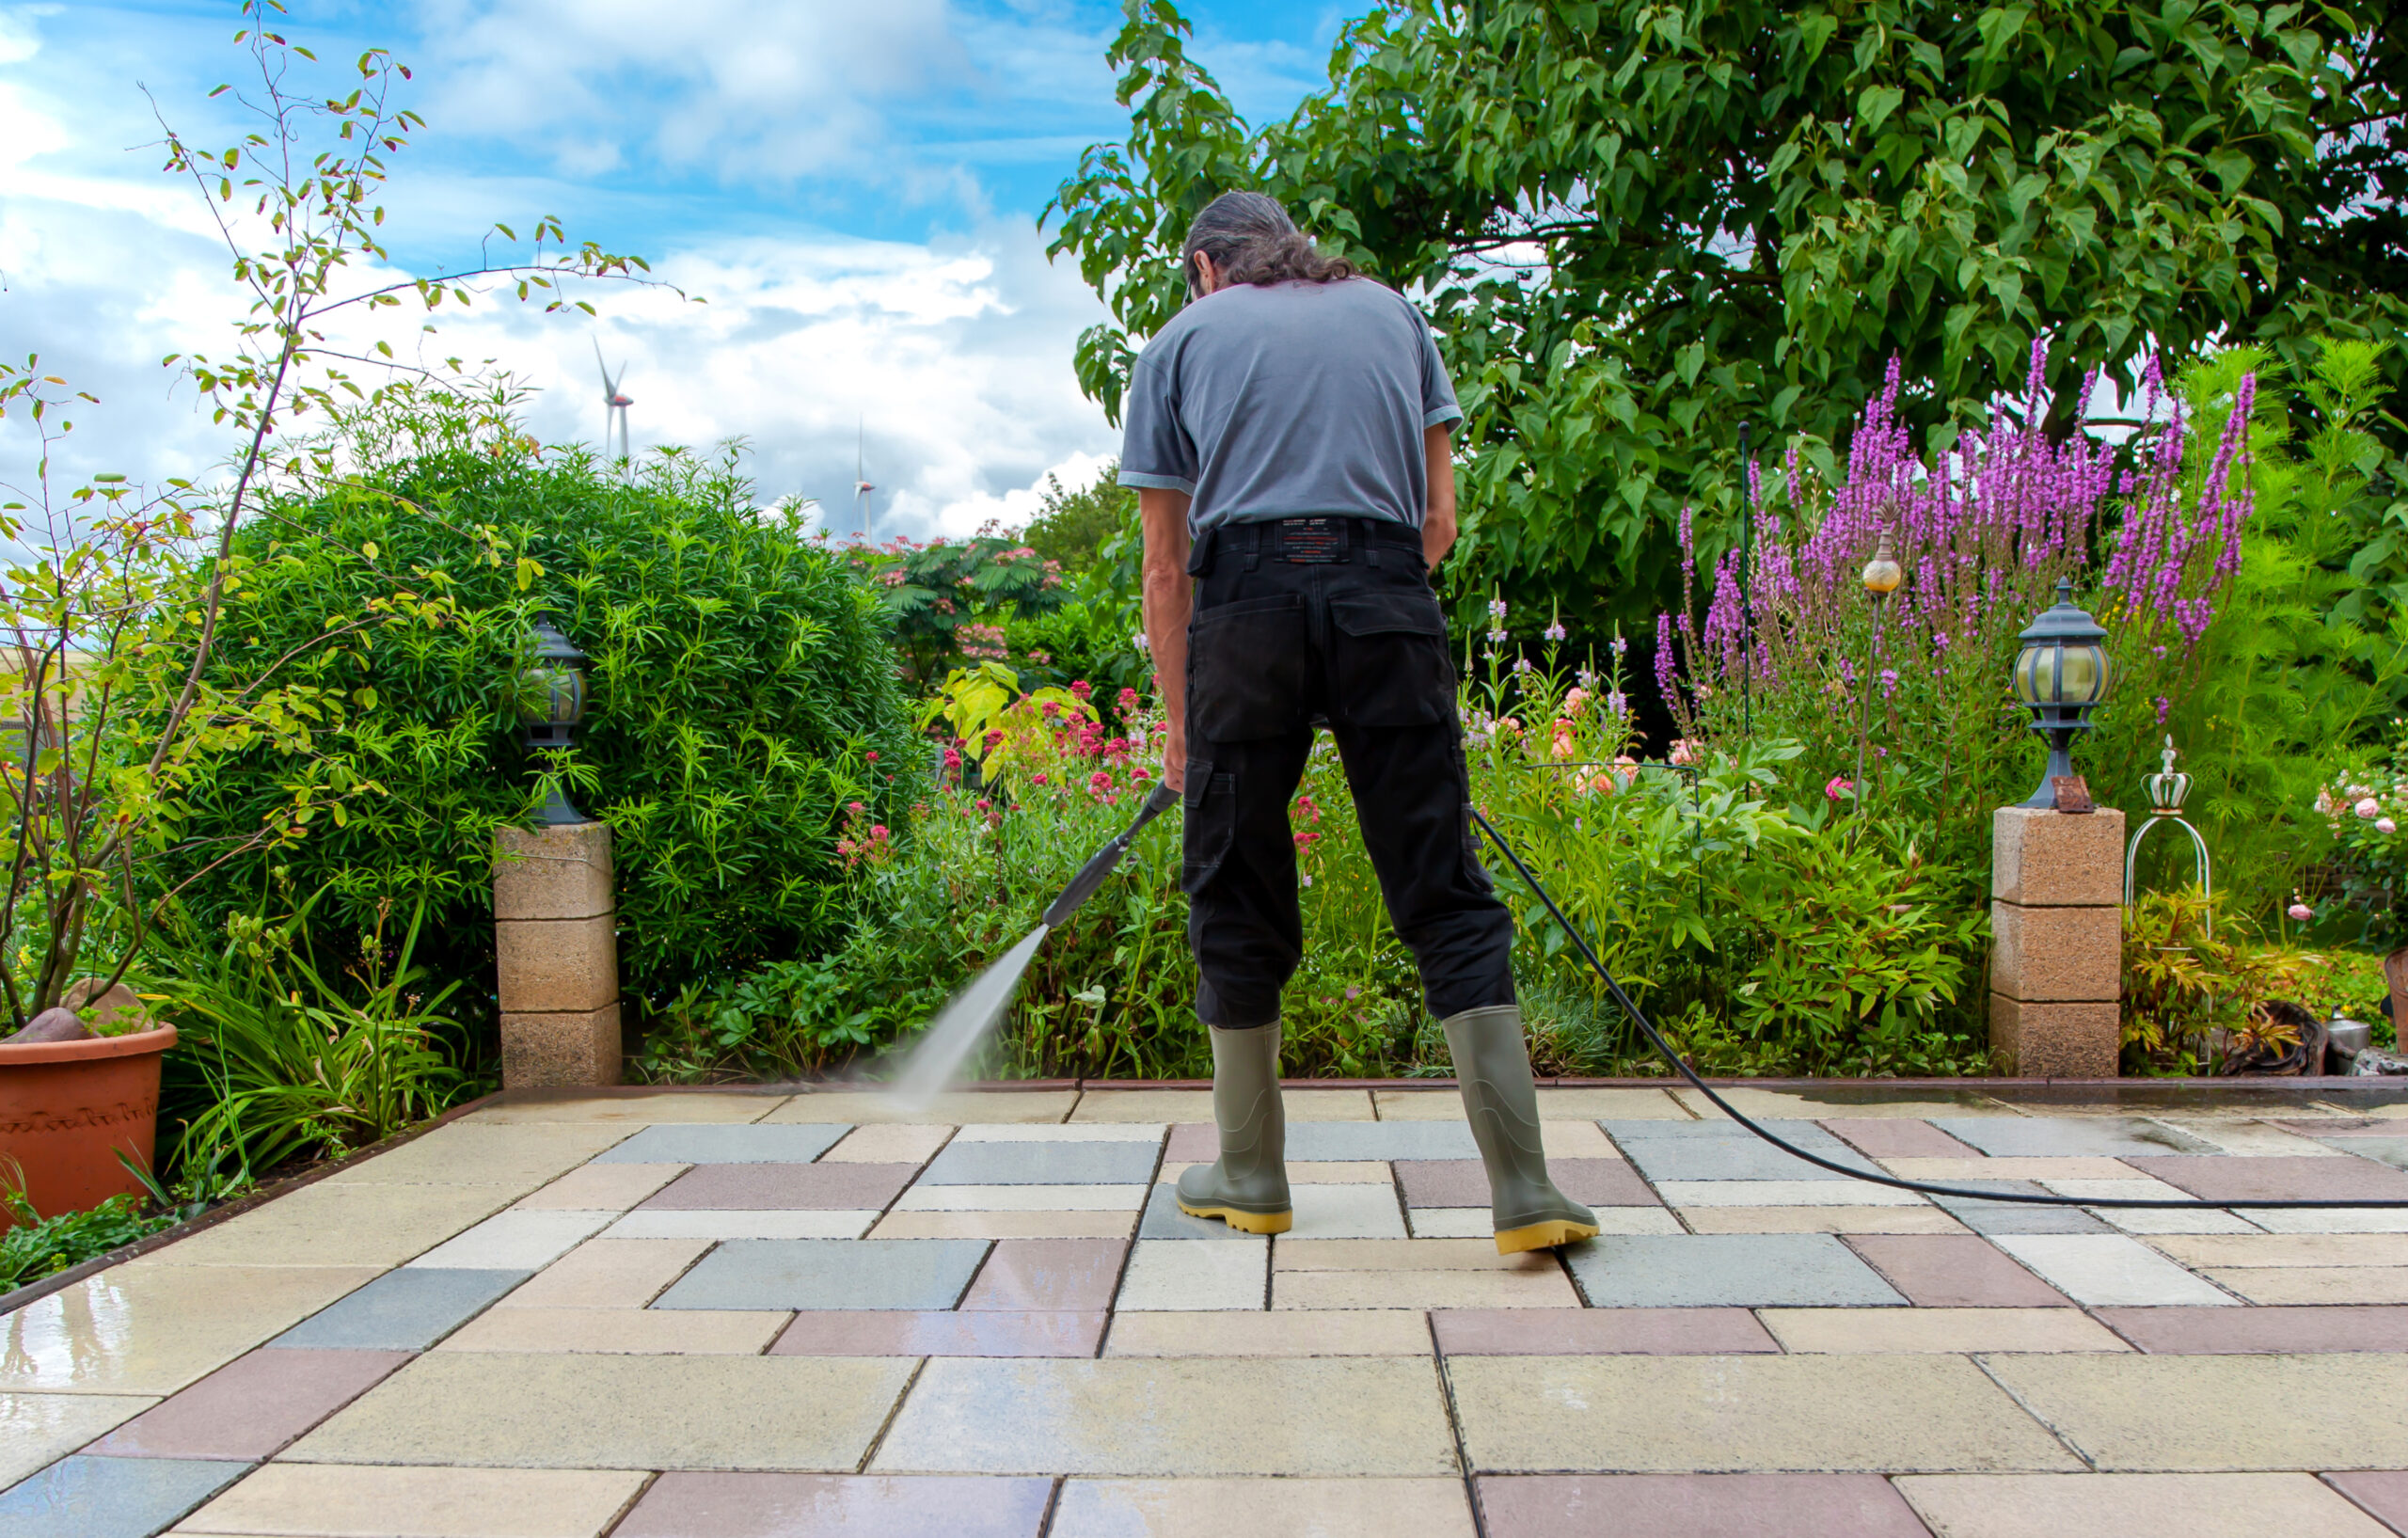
x: 853, y: 186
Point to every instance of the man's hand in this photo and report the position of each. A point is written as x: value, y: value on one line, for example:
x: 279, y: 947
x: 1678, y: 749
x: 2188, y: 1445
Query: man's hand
x: 1168, y: 601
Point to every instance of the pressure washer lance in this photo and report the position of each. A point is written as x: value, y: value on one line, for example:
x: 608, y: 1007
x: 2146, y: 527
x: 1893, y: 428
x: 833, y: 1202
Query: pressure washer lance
x: 957, y: 1033
x: 1664, y: 1049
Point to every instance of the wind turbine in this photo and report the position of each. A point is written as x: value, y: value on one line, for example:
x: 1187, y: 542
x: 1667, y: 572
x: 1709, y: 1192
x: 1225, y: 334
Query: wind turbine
x: 862, y: 488
x: 613, y: 402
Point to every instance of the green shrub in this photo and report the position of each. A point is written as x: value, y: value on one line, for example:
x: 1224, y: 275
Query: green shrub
x: 42, y: 1247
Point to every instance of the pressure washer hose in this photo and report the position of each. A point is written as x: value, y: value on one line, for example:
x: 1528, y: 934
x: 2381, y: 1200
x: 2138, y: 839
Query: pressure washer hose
x: 1664, y: 1049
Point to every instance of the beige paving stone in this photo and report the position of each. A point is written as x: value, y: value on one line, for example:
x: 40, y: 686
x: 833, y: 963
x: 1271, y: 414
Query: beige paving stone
x: 1739, y: 1414
x: 2329, y: 1220
x: 872, y: 1107
x: 2134, y: 1506
x: 1836, y: 1193
x: 1480, y: 1222
x: 1067, y: 1131
x: 1577, y: 1140
x: 2137, y: 1188
x: 1359, y: 1332
x: 1021, y: 1199
x: 1189, y: 1274
x: 743, y: 1223
x: 1437, y: 1104
x: 2316, y: 1284
x: 154, y: 1329
x: 1901, y: 1330
x: 1005, y: 1225
x: 1610, y: 1105
x: 315, y: 1501
x: 2250, y: 1138
x: 469, y: 1152
x: 508, y: 1410
x: 888, y: 1143
x: 1405, y: 1255
x: 600, y: 1188
x: 1139, y: 1416
x: 614, y: 1274
x: 1925, y: 1219
x: 633, y: 1111
x: 1312, y: 1172
x: 1790, y: 1105
x: 1148, y: 1106
x: 634, y: 1332
x: 2170, y: 1220
x: 36, y: 1429
x: 2208, y: 1414
x: 2010, y: 1168
x: 2287, y: 1249
x: 1262, y: 1509
x: 342, y: 1226
x: 1423, y: 1290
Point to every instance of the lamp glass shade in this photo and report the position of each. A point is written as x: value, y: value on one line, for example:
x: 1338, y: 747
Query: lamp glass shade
x: 561, y: 696
x: 2056, y: 672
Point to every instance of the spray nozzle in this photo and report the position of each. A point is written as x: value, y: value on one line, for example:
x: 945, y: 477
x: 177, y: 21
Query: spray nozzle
x: 1091, y: 875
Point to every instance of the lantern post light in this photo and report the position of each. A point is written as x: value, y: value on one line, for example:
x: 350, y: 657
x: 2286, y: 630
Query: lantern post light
x: 1881, y: 577
x: 557, y: 682
x: 2060, y: 676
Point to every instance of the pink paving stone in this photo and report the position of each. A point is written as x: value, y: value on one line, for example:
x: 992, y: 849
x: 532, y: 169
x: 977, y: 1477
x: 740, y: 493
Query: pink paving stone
x: 1695, y: 1506
x: 1899, y: 1137
x: 1023, y: 1275
x: 2239, y: 1332
x: 1953, y: 1271
x: 251, y: 1406
x: 1192, y: 1143
x: 2384, y: 1493
x: 1462, y: 1183
x: 1598, y: 1332
x: 894, y: 1332
x: 850, y: 1505
x: 831, y: 1187
x: 2279, y: 1178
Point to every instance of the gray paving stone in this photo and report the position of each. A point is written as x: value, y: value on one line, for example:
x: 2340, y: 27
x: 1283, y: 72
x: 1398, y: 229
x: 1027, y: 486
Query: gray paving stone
x: 1164, y: 1220
x: 2049, y: 1138
x: 1659, y: 1130
x: 2016, y: 1216
x: 770, y: 1274
x: 1744, y: 1158
x: 794, y: 1143
x: 1042, y: 1164
x: 408, y: 1310
x: 111, y: 1497
x: 1349, y: 1141
x: 1725, y: 1270
x: 2384, y: 1150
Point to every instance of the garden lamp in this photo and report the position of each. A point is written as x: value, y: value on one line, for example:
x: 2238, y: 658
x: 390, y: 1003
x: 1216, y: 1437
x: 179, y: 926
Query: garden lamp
x: 2061, y: 674
x: 557, y: 686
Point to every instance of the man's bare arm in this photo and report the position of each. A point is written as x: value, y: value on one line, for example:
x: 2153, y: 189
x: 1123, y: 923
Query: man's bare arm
x: 1439, y: 519
x: 1168, y: 600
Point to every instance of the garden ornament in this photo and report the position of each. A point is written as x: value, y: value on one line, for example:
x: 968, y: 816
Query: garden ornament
x: 2061, y: 676
x: 2166, y: 788
x: 556, y: 683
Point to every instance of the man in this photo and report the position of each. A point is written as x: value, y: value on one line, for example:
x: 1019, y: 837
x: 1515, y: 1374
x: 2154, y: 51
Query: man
x: 1288, y: 436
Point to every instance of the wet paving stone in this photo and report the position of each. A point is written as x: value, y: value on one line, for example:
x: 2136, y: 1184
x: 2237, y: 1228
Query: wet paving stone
x: 1598, y: 1332
x: 778, y: 1143
x: 1022, y: 1275
x: 2232, y: 1332
x: 1895, y: 1137
x: 1953, y: 1271
x: 1464, y: 1183
x: 110, y: 1497
x: 1696, y: 1506
x: 2016, y: 1216
x: 253, y: 1405
x: 1338, y: 1141
x: 769, y: 1273
x: 1724, y: 1158
x: 853, y: 1505
x: 408, y: 1310
x: 2113, y: 1137
x: 833, y: 1187
x: 1096, y: 1163
x: 2230, y: 1178
x: 1732, y: 1270
x: 889, y: 1332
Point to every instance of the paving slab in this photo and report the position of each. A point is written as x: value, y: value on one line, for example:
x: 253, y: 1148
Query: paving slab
x: 2108, y: 1270
x: 2226, y: 1179
x: 1305, y: 1171
x: 660, y: 1332
x: 516, y: 1241
x: 2383, y: 1150
x: 1547, y: 1289
x: 470, y: 1152
x: 1381, y: 1140
x: 1086, y: 1163
x: 1260, y: 1508
x: 2329, y: 1220
x: 1564, y: 1104
x: 1024, y: 1274
x: 2327, y: 1284
x: 2058, y: 1137
x: 110, y: 1497
x: 1599, y: 1332
x: 1921, y: 1220
x: 706, y: 1223
x: 1837, y: 1192
x: 328, y: 1500
x: 1464, y: 1183
x: 894, y: 1332
x: 784, y: 1274
x: 1895, y: 1137
x: 1117, y: 1225
x: 1019, y: 1198
x: 253, y: 1405
x: 37, y: 1428
x: 854, y: 1505
x: 2287, y: 1249
x: 1170, y: 1105
x: 1719, y: 1157
x: 1068, y: 1131
x: 599, y: 1188
x: 2156, y: 1414
x: 1695, y: 1506
x: 1173, y: 1275
x: 1164, y: 1220
x: 154, y: 1329
x: 2362, y: 1126
x: 2255, y: 1139
x: 794, y: 1143
x: 1745, y: 1415
x: 2133, y: 1506
x: 1841, y: 1099
x: 782, y: 1188
x: 872, y: 1107
x: 1480, y: 1223
x: 408, y: 1310
x: 1921, y: 1329
x: 1996, y: 1217
x: 632, y: 1110
x: 494, y: 1409
x: 339, y: 1226
x: 1294, y: 1254
x: 2216, y: 1332
x: 1142, y: 1416
x: 1346, y: 1212
x: 2150, y: 1220
x: 2010, y: 1167
x: 1358, y: 1332
x: 888, y: 1143
x: 1745, y: 1271
x: 609, y: 1274
x: 1955, y: 1271
x: 2384, y: 1493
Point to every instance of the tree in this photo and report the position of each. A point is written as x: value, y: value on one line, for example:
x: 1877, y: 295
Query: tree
x: 1639, y: 225
x: 1070, y: 527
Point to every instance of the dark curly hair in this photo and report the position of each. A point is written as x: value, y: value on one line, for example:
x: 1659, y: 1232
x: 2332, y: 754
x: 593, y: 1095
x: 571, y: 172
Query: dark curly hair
x: 1251, y: 240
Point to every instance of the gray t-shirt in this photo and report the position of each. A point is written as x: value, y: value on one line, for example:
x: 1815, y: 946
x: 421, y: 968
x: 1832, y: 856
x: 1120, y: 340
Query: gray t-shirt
x: 1288, y: 401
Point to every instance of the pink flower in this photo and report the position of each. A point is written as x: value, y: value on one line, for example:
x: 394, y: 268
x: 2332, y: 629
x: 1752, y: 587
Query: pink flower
x: 1684, y: 752
x: 872, y: 757
x: 1081, y: 688
x: 1127, y: 699
x: 2370, y: 808
x: 952, y: 756
x: 876, y: 831
x: 1036, y: 779
x: 854, y: 807
x: 1839, y: 786
x: 2301, y: 913
x: 2385, y: 825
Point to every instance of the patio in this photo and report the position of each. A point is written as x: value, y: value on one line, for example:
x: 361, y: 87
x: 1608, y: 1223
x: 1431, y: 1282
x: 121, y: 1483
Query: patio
x: 746, y: 1314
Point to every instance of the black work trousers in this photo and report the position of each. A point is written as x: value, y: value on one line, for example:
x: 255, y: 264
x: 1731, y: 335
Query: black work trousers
x: 1296, y: 622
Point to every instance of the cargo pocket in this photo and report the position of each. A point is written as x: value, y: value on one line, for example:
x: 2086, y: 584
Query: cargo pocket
x: 1391, y: 657
x: 1246, y: 669
x: 1211, y: 824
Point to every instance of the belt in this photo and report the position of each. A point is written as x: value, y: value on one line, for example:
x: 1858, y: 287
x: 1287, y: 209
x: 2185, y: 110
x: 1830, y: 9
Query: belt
x: 1320, y: 541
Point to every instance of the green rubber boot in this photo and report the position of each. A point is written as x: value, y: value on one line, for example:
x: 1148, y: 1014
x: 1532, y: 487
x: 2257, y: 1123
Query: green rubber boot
x: 1246, y: 1187
x: 1493, y: 1066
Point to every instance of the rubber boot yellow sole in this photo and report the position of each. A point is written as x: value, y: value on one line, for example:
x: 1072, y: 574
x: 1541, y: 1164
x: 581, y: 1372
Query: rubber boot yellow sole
x: 1252, y: 1222
x: 1543, y: 1236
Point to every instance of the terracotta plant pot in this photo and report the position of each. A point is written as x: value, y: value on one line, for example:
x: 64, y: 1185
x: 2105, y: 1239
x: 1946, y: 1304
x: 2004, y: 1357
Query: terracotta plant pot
x: 67, y: 1107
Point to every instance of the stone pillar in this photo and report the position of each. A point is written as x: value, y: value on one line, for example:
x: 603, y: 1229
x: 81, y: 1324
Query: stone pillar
x: 2058, y: 932
x: 553, y: 915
